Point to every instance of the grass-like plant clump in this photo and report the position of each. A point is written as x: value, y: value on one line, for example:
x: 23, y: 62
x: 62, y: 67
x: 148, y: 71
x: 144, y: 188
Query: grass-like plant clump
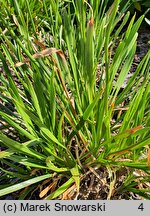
x: 63, y: 93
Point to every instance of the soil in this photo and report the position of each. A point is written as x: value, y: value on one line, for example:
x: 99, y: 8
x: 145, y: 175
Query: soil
x: 95, y: 183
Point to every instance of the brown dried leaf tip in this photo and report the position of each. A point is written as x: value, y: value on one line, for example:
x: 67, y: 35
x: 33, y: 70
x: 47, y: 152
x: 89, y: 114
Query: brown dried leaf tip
x: 133, y: 130
x: 91, y: 22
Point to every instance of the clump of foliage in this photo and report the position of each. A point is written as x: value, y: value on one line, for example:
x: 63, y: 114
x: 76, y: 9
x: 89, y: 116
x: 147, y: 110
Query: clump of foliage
x: 68, y: 105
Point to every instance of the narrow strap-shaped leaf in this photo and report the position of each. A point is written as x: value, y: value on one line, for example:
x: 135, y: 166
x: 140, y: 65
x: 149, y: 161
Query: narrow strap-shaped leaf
x: 16, y: 146
x: 51, y: 166
x: 24, y: 184
x: 12, y: 122
x: 60, y: 190
x: 42, y: 127
x: 76, y: 175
